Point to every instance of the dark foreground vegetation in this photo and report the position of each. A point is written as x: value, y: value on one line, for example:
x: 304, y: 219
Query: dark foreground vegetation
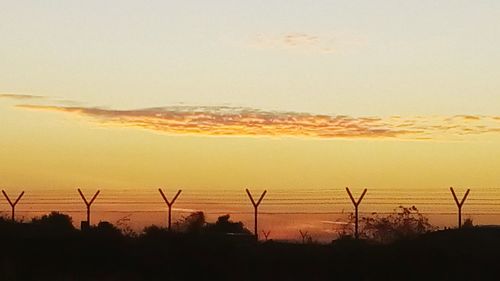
x: 50, y: 248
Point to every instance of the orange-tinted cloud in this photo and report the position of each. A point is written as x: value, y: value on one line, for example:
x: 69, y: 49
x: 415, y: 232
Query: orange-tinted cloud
x: 469, y: 117
x: 20, y: 96
x: 237, y: 121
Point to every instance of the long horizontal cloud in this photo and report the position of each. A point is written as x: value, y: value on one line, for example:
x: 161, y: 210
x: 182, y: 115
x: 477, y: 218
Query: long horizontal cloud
x: 236, y: 121
x: 20, y: 97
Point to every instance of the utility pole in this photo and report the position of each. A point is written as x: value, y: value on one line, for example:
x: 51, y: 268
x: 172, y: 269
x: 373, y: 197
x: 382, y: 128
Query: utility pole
x: 459, y: 204
x: 88, y: 203
x: 169, y: 204
x: 13, y: 204
x: 356, y: 204
x: 255, y: 208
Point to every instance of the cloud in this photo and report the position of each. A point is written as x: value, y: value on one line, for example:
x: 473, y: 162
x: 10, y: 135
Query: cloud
x: 240, y: 121
x: 469, y: 117
x: 297, y: 41
x: 20, y: 97
x: 228, y: 121
x: 39, y: 99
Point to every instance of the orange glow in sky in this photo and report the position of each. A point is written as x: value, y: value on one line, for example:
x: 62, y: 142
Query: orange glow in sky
x: 203, y: 96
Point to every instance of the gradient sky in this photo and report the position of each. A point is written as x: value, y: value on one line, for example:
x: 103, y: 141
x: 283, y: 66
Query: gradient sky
x: 344, y: 57
x: 269, y: 94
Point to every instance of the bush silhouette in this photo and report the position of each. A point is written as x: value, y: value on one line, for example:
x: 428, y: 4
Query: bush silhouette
x: 38, y: 251
x: 225, y: 226
x: 403, y: 223
x: 105, y: 229
x: 193, y: 223
x: 55, y: 222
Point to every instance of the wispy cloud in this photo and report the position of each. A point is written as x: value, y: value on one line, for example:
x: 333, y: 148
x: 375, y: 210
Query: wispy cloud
x: 469, y: 117
x: 300, y: 39
x: 20, y: 97
x: 297, y: 41
x: 39, y: 99
x: 238, y: 121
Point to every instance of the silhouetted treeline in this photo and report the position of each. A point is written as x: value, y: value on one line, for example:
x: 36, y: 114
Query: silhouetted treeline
x: 50, y: 248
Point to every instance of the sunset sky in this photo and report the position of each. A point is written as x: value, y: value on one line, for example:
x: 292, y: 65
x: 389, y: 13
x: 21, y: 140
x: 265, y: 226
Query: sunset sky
x: 216, y: 96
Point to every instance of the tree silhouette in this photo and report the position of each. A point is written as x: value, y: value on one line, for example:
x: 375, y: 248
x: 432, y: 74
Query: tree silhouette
x: 403, y: 223
x: 224, y: 225
x: 193, y: 223
x: 55, y: 221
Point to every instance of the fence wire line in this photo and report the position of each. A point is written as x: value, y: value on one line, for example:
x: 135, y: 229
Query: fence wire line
x: 482, y: 201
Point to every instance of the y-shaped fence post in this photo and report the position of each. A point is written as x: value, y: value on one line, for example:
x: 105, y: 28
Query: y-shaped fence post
x: 13, y: 204
x: 266, y: 234
x: 169, y: 204
x: 305, y: 236
x: 88, y: 203
x: 356, y: 204
x: 255, y: 208
x: 459, y: 204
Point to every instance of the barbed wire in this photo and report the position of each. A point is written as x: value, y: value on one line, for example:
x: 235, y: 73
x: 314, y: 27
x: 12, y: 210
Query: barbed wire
x: 483, y: 201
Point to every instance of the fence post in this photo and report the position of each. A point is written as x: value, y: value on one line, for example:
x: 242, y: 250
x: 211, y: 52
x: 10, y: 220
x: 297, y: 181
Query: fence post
x: 305, y: 236
x: 356, y: 204
x: 459, y: 204
x: 266, y: 234
x: 169, y: 205
x: 88, y: 203
x: 255, y: 208
x: 13, y: 204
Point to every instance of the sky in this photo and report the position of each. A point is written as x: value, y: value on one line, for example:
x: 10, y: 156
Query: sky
x: 217, y: 96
